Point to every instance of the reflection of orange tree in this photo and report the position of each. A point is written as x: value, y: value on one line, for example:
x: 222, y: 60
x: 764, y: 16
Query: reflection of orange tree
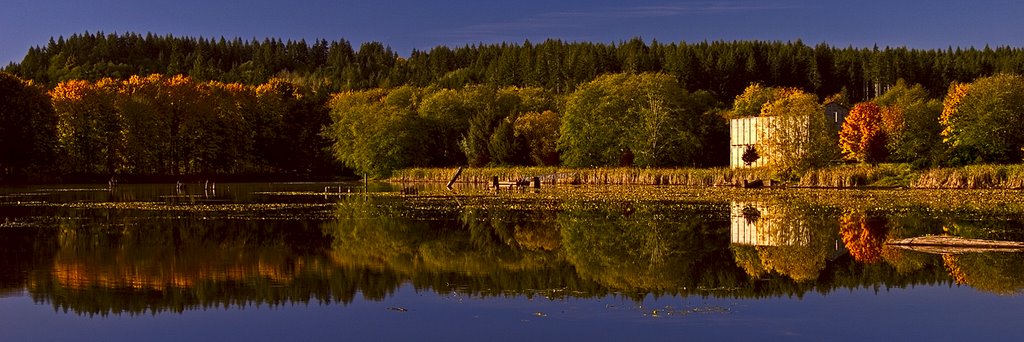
x: 863, y: 236
x: 168, y: 257
x: 954, y: 269
x: 1000, y: 273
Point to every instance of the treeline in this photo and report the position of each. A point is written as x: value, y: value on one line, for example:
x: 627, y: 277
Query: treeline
x: 644, y: 120
x: 159, y: 126
x: 722, y: 68
x: 979, y: 122
x: 84, y: 105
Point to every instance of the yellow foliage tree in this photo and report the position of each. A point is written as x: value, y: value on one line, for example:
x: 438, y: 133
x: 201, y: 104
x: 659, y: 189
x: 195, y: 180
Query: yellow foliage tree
x: 796, y: 136
x: 950, y: 105
x: 540, y: 131
x: 755, y: 97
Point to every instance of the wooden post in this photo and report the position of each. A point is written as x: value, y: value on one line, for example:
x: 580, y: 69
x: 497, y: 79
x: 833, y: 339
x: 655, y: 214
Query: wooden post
x: 536, y: 182
x: 457, y: 173
x: 495, y: 182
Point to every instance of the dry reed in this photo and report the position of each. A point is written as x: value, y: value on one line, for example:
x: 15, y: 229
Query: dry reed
x: 841, y: 176
x: 590, y: 176
x: 973, y: 177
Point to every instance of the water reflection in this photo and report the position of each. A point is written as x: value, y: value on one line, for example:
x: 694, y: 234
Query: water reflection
x: 639, y: 247
x: 793, y: 240
x: 101, y: 260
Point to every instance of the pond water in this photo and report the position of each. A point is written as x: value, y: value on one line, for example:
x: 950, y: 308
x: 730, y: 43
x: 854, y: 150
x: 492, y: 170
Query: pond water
x: 314, y: 261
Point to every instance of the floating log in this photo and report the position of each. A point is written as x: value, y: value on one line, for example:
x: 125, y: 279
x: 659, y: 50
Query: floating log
x: 945, y: 244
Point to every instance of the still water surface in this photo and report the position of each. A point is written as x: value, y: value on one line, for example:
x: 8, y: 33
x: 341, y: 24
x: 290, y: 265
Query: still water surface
x: 295, y: 262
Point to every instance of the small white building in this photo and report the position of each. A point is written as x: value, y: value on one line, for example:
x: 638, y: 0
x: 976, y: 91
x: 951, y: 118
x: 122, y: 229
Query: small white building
x: 746, y: 132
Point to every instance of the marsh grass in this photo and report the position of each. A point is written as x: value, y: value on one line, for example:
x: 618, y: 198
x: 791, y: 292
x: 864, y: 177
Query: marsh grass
x: 840, y: 176
x: 902, y: 175
x: 858, y: 175
x: 972, y: 177
x: 589, y: 176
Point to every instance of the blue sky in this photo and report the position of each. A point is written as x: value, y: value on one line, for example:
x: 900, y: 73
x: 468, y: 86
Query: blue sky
x: 410, y: 24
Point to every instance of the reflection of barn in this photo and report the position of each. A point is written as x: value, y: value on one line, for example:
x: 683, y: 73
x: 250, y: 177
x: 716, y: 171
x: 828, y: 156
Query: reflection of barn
x: 759, y: 225
x: 756, y: 224
x: 746, y: 132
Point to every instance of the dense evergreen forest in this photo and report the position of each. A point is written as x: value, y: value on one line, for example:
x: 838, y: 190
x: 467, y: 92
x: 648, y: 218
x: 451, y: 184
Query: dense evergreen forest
x: 154, y: 105
x: 722, y: 68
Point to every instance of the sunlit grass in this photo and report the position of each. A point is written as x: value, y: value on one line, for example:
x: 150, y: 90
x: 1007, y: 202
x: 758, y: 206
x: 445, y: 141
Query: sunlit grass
x: 973, y: 177
x: 938, y: 201
x: 839, y: 176
x: 591, y: 176
x: 857, y: 175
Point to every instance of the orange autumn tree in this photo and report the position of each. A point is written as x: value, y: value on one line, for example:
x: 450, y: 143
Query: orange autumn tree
x: 863, y: 137
x: 175, y: 125
x: 88, y: 125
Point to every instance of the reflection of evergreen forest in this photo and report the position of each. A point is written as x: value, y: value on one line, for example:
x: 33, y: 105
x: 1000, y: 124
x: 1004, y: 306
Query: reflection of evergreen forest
x: 92, y: 262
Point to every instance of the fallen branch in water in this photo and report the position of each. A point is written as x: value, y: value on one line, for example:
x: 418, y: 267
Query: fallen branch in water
x: 945, y: 244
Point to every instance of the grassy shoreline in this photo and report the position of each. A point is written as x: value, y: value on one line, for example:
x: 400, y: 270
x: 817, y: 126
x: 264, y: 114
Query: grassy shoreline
x: 841, y: 176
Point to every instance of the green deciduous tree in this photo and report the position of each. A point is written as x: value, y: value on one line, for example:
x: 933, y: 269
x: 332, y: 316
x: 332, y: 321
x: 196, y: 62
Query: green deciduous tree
x: 449, y: 113
x: 27, y: 129
x: 375, y: 132
x: 504, y: 147
x: 489, y: 108
x: 911, y: 119
x: 646, y: 116
x: 984, y: 121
